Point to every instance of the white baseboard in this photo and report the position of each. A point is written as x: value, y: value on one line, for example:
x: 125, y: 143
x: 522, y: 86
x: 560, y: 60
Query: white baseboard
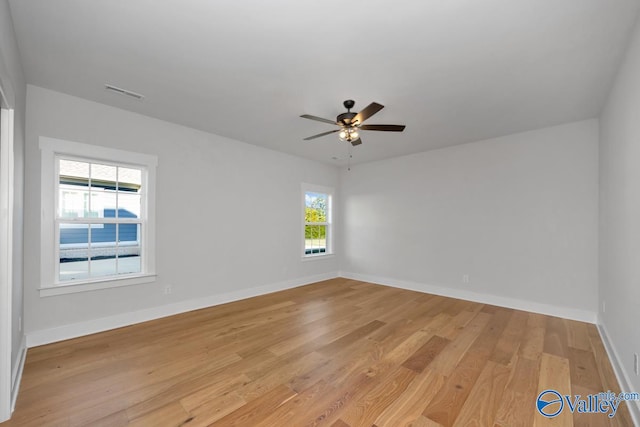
x: 623, y: 378
x: 16, y: 375
x: 93, y: 326
x: 518, y: 304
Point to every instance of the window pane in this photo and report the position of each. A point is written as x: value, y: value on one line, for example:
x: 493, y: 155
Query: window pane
x: 103, y: 195
x: 76, y: 171
x: 73, y: 185
x: 129, y: 253
x: 128, y: 205
x: 129, y: 234
x: 315, y: 239
x: 129, y: 179
x: 103, y: 203
x: 103, y: 175
x: 73, y: 252
x: 315, y: 207
x: 129, y: 264
x: 102, y: 251
x: 103, y: 265
x: 74, y: 234
x: 73, y: 201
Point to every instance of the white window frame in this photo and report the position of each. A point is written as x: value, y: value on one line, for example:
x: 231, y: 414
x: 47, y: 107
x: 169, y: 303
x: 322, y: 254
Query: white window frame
x: 51, y: 150
x: 329, y: 224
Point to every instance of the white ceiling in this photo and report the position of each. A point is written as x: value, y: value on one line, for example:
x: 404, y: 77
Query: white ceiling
x: 453, y: 71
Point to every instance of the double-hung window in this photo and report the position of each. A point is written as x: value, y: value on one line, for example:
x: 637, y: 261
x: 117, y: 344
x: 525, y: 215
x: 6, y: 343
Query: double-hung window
x: 318, y: 233
x: 99, y: 220
x: 97, y: 226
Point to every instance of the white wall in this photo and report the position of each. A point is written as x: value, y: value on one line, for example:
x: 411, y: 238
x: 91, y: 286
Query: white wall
x: 11, y: 74
x: 620, y: 213
x: 518, y: 214
x: 228, y: 213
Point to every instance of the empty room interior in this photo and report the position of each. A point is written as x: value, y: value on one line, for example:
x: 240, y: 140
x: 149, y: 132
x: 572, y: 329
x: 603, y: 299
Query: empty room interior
x: 288, y: 213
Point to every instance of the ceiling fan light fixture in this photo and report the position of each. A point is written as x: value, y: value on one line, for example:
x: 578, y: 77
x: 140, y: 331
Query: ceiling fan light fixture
x: 349, y: 134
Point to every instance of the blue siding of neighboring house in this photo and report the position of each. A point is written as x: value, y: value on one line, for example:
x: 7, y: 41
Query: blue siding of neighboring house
x: 107, y: 233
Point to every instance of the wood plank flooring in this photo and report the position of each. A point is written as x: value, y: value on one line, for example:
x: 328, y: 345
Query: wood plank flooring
x: 337, y: 353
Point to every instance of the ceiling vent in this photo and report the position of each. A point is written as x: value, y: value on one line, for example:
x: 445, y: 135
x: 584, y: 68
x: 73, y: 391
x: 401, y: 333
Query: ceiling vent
x: 121, y: 91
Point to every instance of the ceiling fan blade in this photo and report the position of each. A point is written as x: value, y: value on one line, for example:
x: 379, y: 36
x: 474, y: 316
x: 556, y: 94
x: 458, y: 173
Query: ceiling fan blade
x: 363, y: 115
x: 384, y: 128
x: 356, y: 142
x: 321, y: 134
x: 318, y: 119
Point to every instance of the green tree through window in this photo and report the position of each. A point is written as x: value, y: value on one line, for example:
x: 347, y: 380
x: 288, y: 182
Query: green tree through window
x: 316, y: 219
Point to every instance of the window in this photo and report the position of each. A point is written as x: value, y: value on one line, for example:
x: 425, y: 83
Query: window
x: 98, y: 214
x: 317, y: 221
x: 98, y: 219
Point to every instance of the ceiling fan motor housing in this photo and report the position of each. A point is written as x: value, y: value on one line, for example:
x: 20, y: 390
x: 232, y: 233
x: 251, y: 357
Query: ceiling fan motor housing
x: 344, y: 119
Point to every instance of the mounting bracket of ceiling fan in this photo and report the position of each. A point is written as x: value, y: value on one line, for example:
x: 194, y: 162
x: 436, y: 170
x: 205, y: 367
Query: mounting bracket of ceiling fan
x: 345, y: 119
x: 350, y: 123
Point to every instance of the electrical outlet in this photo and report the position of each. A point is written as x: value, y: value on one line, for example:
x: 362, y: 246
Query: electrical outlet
x: 167, y: 290
x: 465, y: 278
x: 635, y: 363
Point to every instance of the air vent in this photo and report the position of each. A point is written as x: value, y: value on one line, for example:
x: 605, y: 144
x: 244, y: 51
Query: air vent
x: 121, y: 91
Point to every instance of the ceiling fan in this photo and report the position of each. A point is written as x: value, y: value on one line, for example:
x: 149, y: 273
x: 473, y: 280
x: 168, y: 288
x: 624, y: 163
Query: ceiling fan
x: 350, y: 123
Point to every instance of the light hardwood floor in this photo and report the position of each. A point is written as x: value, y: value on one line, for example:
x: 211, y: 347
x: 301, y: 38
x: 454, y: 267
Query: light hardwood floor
x: 334, y: 353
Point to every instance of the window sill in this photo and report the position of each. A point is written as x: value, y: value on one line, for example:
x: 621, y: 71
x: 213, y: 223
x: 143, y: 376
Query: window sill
x: 94, y: 285
x: 316, y: 257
